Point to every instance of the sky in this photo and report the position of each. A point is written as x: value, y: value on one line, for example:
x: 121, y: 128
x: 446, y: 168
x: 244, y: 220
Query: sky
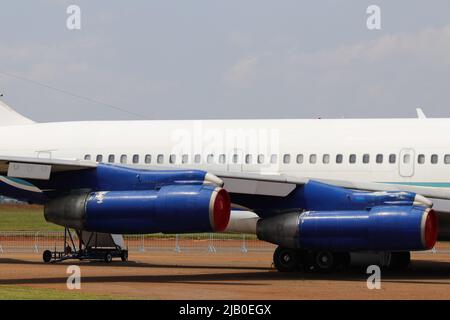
x: 178, y: 59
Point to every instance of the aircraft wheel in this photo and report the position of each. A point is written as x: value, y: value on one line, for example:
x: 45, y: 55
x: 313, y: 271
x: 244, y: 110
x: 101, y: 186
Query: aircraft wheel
x: 286, y: 259
x: 343, y: 259
x: 124, y: 256
x: 325, y: 261
x: 47, y: 256
x: 322, y: 261
x: 400, y: 260
x: 108, y: 258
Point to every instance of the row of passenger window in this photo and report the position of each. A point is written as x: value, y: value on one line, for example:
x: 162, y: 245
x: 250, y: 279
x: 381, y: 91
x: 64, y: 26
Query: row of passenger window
x: 272, y: 159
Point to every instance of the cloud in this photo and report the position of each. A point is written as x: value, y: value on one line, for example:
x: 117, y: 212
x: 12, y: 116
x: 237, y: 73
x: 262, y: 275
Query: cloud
x: 432, y: 45
x: 242, y: 72
x: 385, y: 76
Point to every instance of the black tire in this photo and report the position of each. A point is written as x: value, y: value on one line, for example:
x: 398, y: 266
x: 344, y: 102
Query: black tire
x: 325, y: 261
x: 286, y: 259
x: 343, y: 260
x: 124, y: 256
x: 400, y: 260
x: 47, y: 256
x: 321, y: 261
x: 108, y: 257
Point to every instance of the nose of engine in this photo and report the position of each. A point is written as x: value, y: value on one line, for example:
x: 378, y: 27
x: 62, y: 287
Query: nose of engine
x: 420, y: 200
x: 429, y: 228
x: 219, y: 209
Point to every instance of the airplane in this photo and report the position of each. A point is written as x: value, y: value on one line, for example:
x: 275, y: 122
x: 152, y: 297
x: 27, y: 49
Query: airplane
x: 326, y: 192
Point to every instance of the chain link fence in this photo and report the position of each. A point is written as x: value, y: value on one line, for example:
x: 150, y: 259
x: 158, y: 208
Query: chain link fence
x: 26, y: 241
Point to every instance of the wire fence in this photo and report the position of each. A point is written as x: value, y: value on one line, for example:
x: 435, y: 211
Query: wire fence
x: 28, y: 241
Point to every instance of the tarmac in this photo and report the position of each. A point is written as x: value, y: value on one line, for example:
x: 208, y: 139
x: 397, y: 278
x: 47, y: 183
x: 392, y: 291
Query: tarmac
x: 225, y: 275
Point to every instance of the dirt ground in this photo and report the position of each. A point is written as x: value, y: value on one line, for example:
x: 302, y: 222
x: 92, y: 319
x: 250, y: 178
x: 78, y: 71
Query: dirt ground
x: 202, y: 275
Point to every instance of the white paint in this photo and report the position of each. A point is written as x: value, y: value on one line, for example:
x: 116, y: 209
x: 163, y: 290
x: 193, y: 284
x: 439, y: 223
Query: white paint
x: 74, y: 140
x: 29, y: 171
x: 9, y: 117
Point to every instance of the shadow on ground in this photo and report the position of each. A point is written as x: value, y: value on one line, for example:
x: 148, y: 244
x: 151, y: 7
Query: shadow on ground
x: 421, y: 271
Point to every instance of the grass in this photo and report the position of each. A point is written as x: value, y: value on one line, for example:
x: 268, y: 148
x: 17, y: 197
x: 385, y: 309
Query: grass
x: 30, y: 293
x: 24, y: 218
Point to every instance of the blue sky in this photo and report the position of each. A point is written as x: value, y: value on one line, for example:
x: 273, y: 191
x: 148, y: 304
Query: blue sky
x: 226, y: 59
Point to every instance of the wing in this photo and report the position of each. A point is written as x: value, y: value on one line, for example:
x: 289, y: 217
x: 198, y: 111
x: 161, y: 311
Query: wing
x: 252, y: 191
x: 282, y: 185
x: 38, y: 168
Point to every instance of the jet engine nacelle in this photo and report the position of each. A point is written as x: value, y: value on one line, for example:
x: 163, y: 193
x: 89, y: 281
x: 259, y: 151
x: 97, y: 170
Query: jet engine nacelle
x: 171, y: 209
x: 384, y: 228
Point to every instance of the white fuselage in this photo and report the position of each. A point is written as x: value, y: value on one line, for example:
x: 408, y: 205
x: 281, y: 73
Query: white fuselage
x: 378, y: 150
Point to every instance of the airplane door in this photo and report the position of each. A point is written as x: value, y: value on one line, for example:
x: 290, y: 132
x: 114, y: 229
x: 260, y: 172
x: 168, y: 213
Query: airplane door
x: 406, y: 162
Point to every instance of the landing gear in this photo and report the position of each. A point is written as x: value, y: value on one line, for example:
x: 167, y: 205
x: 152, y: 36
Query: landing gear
x: 399, y: 260
x: 290, y: 260
x: 286, y: 259
x: 325, y: 261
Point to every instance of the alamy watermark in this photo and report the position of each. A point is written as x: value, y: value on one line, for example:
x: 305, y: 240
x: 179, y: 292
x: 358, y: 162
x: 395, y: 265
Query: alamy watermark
x: 374, y: 279
x: 234, y: 145
x: 73, y: 21
x: 373, y: 21
x: 74, y: 280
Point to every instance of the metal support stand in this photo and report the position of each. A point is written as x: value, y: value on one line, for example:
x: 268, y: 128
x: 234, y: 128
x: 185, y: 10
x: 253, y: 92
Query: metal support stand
x: 211, y: 247
x: 244, y: 245
x: 142, y: 247
x: 87, y: 250
x: 177, y: 244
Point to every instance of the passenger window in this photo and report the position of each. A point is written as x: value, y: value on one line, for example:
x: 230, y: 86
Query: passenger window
x: 222, y: 158
x: 312, y: 158
x: 248, y: 159
x: 160, y: 159
x: 210, y: 158
x: 406, y: 158
x: 339, y: 158
x: 300, y: 158
x: 366, y: 158
x: 434, y: 158
x: 123, y: 159
x: 421, y: 159
x: 184, y: 158
x: 148, y: 158
x: 172, y: 158
x: 392, y: 158
x: 260, y: 158
x: 287, y: 158
x: 326, y: 158
x: 379, y: 158
x: 87, y: 157
x: 447, y: 159
x: 273, y: 158
x: 111, y: 158
x: 352, y: 158
x: 136, y: 158
x: 198, y: 158
x: 235, y: 158
x: 99, y: 158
